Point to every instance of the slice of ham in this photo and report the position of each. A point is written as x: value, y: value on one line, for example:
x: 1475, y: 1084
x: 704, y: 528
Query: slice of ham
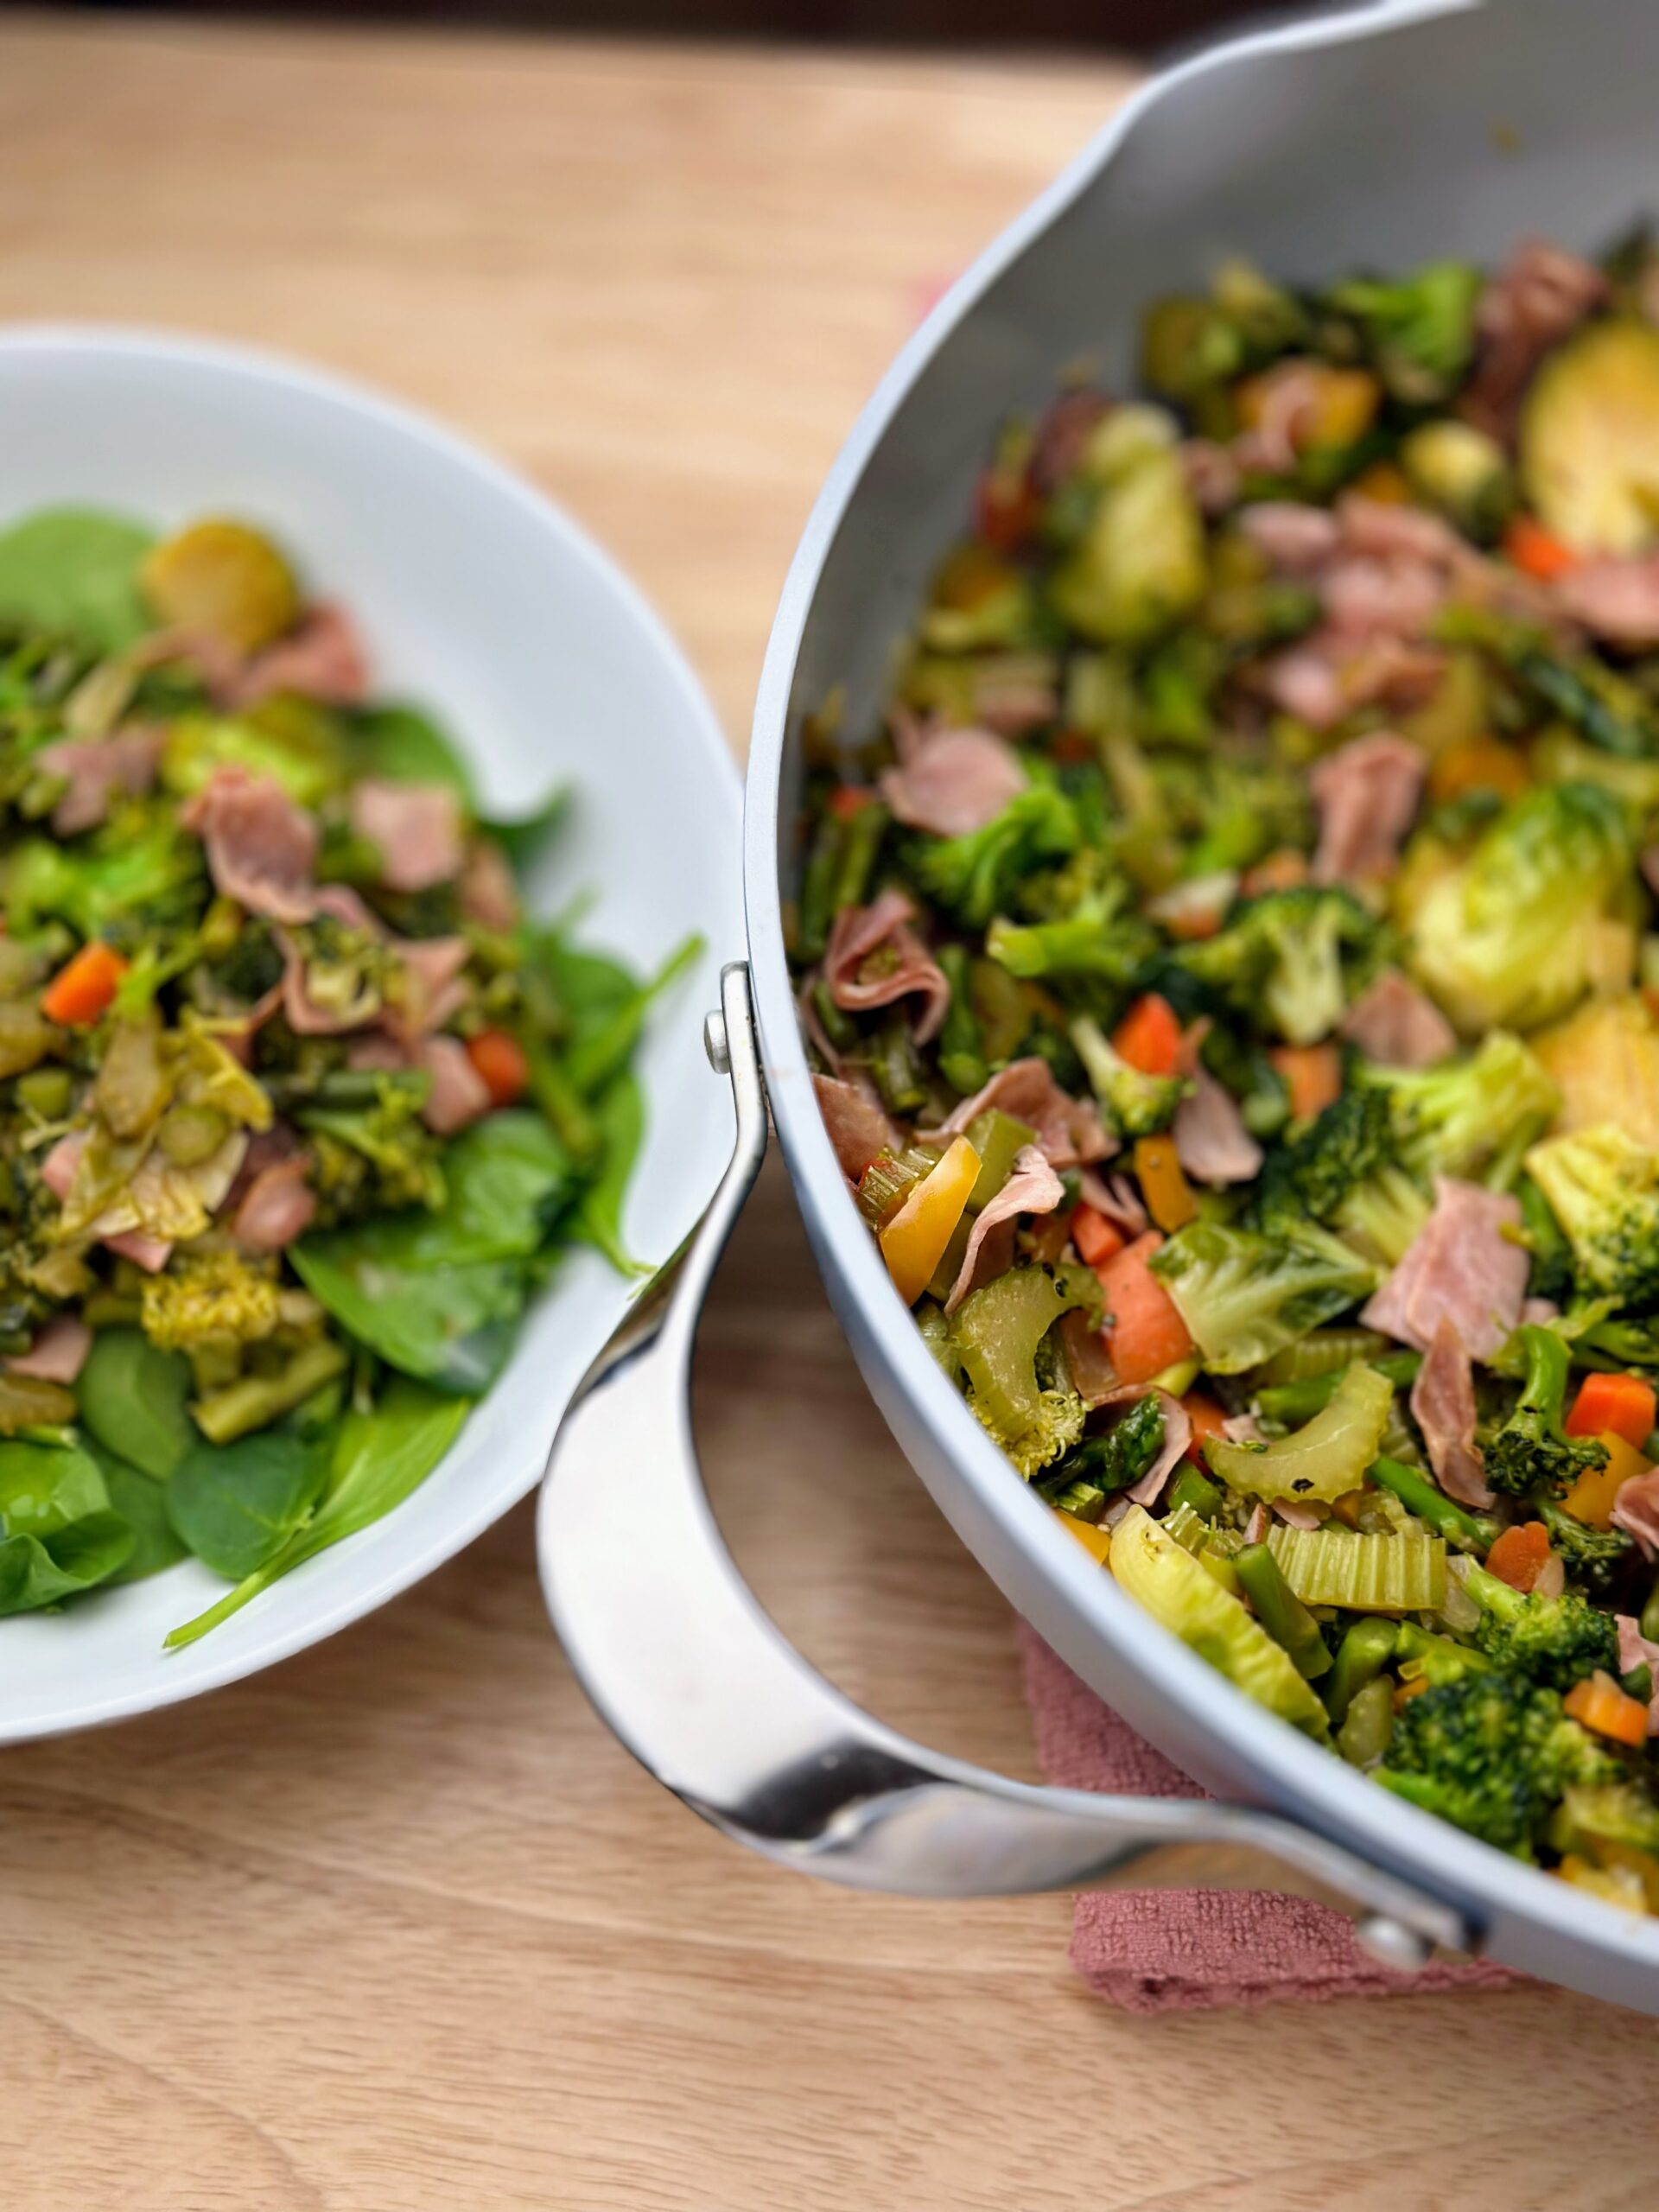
x: 58, y: 1353
x: 1539, y: 298
x: 858, y: 1127
x: 1289, y: 402
x: 956, y: 781
x: 1032, y: 1187
x: 1087, y: 1357
x: 1242, y: 1428
x: 57, y: 1173
x: 96, y: 768
x: 489, y: 892
x: 1068, y: 1129
x: 1636, y: 1510
x: 1213, y: 477
x: 1393, y: 1022
x: 1443, y: 1406
x: 1178, y: 1434
x: 459, y: 1096
x: 321, y: 658
x: 277, y: 1208
x: 1211, y: 1141
x: 434, y: 988
x: 876, y: 958
x: 1291, y: 536
x: 262, y: 849
x: 1364, y: 597
x: 1062, y: 435
x: 1256, y: 1528
x: 1459, y: 1266
x: 149, y: 1253
x: 1635, y: 1651
x: 1116, y: 1197
x: 415, y: 827
x: 1295, y: 1516
x: 1615, y: 598
x: 1366, y: 794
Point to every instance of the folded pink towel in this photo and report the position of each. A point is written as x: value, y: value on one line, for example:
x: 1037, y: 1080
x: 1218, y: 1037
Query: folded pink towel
x: 1180, y: 1950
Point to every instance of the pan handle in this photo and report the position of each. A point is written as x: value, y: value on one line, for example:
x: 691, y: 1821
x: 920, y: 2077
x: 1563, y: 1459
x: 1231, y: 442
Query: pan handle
x: 678, y: 1656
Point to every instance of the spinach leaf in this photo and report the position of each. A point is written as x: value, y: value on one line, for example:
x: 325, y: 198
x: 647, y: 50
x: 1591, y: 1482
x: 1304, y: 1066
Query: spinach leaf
x: 75, y: 572
x: 237, y: 1504
x: 524, y: 841
x: 606, y: 1006
x: 142, y: 1504
x: 379, y: 1458
x: 509, y: 1177
x: 43, y: 1487
x: 61, y: 1535
x: 133, y: 1397
x: 621, y: 1115
x: 407, y: 746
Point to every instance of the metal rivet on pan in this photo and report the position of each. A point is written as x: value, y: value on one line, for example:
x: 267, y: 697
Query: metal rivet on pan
x: 714, y: 1043
x: 1391, y: 1943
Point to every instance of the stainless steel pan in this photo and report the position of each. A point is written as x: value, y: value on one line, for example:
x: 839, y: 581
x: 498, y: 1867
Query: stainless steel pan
x: 1388, y: 135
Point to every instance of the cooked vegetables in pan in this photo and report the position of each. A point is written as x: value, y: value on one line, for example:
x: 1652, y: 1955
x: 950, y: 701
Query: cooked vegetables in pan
x: 1232, y: 977
x: 298, y: 1105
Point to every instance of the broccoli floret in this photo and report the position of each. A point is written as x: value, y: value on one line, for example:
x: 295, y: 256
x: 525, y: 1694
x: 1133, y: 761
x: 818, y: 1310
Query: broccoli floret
x: 1087, y: 953
x: 1418, y: 333
x: 1602, y: 1188
x: 1307, y: 1178
x: 211, y: 1296
x: 1529, y: 1452
x: 1471, y: 1118
x: 1287, y: 960
x: 1492, y: 1754
x: 1056, y: 1424
x: 1381, y: 1216
x: 973, y: 876
x: 1592, y: 1557
x: 1553, y: 1642
x: 1550, y: 1274
x: 1535, y: 915
x: 1244, y: 1293
x: 1136, y: 1104
x: 1095, y: 1470
x: 1631, y: 1340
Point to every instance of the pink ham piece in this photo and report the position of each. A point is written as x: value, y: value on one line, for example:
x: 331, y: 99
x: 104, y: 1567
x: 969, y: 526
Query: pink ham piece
x: 1363, y: 597
x: 876, y: 958
x: 1256, y: 1528
x: 415, y: 827
x: 1295, y: 539
x: 277, y: 1207
x: 489, y: 894
x: 1178, y: 1434
x: 1087, y: 1357
x: 1213, y: 477
x: 1636, y: 1510
x: 1068, y: 1129
x: 96, y: 768
x: 149, y: 1253
x: 1635, y: 1651
x: 458, y: 1094
x: 1289, y: 406
x: 321, y: 658
x: 1393, y: 1022
x: 955, y: 782
x: 1540, y: 298
x: 434, y: 988
x: 858, y: 1129
x: 1032, y: 1187
x: 58, y: 1353
x: 1366, y: 794
x: 1443, y: 1406
x: 1211, y: 1141
x: 1294, y: 1515
x: 262, y: 849
x: 1459, y: 1266
x: 1116, y: 1198
x: 1062, y: 435
x: 1242, y: 1429
x: 1616, y: 599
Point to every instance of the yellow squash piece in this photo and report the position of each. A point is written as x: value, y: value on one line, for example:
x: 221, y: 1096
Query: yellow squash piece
x: 1589, y: 440
x: 1590, y: 1498
x: 1181, y: 1594
x: 913, y: 1242
x: 223, y: 578
x: 1097, y: 1542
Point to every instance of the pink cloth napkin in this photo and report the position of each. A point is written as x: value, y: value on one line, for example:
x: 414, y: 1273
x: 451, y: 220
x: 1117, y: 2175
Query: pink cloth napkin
x: 1186, y: 1950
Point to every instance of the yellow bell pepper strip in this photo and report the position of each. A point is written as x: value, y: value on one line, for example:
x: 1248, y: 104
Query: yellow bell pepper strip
x: 1097, y: 1542
x: 913, y: 1242
x: 1590, y: 1498
x: 1163, y: 1183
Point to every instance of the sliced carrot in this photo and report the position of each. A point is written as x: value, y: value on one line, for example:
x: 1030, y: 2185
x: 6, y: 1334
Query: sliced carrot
x: 1163, y: 1183
x: 1598, y: 1702
x: 1518, y: 1556
x: 1149, y: 1036
x: 1613, y: 1405
x: 499, y: 1060
x: 1145, y: 1333
x: 1592, y: 1497
x: 1207, y: 1419
x: 1281, y: 870
x: 1096, y: 1238
x: 1480, y: 763
x: 1006, y: 506
x: 848, y: 799
x: 80, y: 992
x: 1537, y: 551
x: 1312, y: 1075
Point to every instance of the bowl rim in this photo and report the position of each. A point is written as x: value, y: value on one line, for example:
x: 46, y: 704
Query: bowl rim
x: 257, y: 365
x: 1269, y: 1760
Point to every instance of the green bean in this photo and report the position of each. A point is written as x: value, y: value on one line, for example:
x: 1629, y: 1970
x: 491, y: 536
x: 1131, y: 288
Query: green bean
x: 1283, y: 1615
x: 1190, y: 1488
x: 1472, y: 1532
x: 962, y: 1043
x: 1298, y: 1401
x: 1363, y: 1736
x: 863, y: 841
x: 1361, y: 1656
x: 818, y: 907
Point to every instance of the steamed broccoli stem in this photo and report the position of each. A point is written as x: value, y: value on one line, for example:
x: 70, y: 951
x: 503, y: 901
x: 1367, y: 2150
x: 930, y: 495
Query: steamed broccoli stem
x: 1368, y: 1726
x: 856, y: 863
x: 1292, y: 1402
x: 901, y: 1076
x: 1471, y: 1532
x: 818, y: 904
x: 961, y: 1041
x: 1283, y: 1615
x: 1529, y: 1452
x: 1364, y: 1651
x: 1591, y: 1556
x: 1552, y: 1641
x: 254, y: 1400
x: 1138, y: 1105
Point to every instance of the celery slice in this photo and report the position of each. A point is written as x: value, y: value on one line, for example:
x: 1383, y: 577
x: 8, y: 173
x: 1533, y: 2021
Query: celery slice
x: 1367, y: 1574
x: 1324, y: 1459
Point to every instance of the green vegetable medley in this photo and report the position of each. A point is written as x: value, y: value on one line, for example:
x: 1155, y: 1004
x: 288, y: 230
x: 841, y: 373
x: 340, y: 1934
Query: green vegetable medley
x: 298, y: 1105
x: 1230, y: 973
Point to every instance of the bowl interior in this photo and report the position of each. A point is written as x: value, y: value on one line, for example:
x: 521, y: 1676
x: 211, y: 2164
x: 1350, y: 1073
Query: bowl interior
x: 478, y: 601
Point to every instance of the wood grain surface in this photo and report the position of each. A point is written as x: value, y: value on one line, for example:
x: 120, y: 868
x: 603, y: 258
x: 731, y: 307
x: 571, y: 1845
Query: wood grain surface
x: 396, y: 1925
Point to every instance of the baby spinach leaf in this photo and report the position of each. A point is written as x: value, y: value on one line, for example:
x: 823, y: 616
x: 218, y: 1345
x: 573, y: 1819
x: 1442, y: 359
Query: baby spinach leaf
x: 407, y: 746
x: 621, y: 1115
x: 134, y: 1398
x: 141, y: 1504
x: 235, y: 1505
x: 60, y: 1536
x: 606, y: 1006
x: 74, y: 572
x: 509, y: 1177
x: 525, y: 840
x: 379, y: 1458
x: 44, y: 1487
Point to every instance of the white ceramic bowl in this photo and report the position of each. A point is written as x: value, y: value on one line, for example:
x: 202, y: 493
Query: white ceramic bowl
x: 479, y: 599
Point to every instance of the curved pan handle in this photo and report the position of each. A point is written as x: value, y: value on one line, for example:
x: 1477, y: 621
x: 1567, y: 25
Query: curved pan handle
x: 705, y: 1691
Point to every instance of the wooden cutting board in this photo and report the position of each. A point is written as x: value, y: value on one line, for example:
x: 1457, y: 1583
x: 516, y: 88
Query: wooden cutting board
x: 396, y: 1925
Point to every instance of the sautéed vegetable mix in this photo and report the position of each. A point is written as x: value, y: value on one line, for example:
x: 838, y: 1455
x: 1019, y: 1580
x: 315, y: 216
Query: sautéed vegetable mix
x: 1232, y: 976
x: 298, y: 1107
